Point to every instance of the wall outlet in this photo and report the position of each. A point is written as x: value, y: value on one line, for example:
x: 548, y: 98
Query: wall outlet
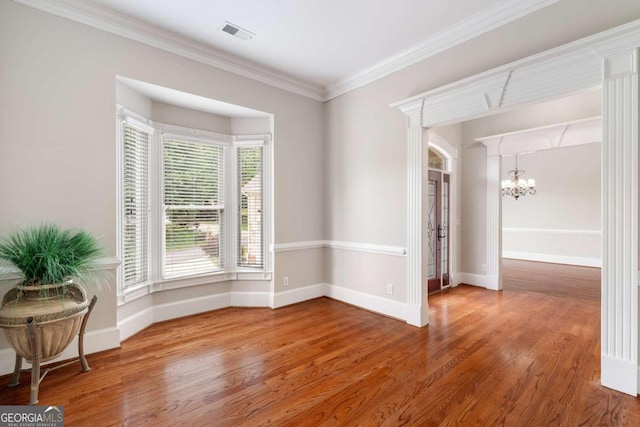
x: 285, y: 281
x: 390, y: 288
x: 484, y: 268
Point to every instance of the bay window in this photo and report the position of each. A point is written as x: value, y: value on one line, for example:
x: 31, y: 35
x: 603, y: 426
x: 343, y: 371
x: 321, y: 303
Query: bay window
x: 191, y: 203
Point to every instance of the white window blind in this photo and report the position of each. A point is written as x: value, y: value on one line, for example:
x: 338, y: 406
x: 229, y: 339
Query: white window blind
x: 193, y: 207
x: 250, y: 198
x: 135, y: 191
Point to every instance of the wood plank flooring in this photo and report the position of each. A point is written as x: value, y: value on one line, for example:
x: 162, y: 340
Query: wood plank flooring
x: 510, y: 358
x: 569, y: 281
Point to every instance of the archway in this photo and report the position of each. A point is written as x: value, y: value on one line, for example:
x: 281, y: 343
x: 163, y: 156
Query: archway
x: 608, y: 60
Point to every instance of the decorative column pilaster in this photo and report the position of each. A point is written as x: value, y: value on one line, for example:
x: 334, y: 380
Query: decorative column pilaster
x: 417, y: 305
x: 620, y: 218
x: 494, y: 222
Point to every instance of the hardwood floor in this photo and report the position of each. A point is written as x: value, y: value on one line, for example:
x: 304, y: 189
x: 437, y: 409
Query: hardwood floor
x: 568, y: 281
x: 511, y: 358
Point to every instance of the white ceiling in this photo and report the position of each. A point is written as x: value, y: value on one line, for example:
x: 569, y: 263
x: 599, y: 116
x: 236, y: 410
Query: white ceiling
x: 319, y: 41
x: 322, y: 41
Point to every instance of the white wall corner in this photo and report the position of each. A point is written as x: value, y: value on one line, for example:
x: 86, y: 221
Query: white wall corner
x: 619, y: 374
x: 294, y: 296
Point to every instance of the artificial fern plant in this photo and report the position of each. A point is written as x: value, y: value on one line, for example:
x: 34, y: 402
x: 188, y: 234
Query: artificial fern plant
x: 46, y: 254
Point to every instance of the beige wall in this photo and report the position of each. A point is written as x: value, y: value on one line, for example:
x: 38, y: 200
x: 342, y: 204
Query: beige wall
x: 192, y: 119
x: 366, y: 173
x: 567, y: 200
x: 58, y: 136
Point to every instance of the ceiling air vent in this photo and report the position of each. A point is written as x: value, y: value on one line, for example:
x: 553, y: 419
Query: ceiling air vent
x: 236, y: 31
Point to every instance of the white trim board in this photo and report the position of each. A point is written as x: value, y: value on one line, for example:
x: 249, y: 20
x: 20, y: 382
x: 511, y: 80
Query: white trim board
x: 368, y: 302
x: 336, y: 244
x: 480, y: 280
x: 565, y: 69
x: 294, y: 296
x: 566, y: 134
x: 552, y: 231
x: 94, y: 341
x: 553, y: 258
x: 108, y: 20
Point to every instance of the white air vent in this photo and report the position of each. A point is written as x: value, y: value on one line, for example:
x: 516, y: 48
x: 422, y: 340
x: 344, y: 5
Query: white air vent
x: 236, y: 31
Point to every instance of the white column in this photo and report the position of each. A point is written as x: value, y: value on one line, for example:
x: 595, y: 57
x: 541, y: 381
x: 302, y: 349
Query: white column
x: 417, y: 305
x: 620, y: 220
x: 494, y: 222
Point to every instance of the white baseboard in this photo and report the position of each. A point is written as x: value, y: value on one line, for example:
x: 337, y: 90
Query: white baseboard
x: 297, y: 295
x: 619, y: 374
x: 480, y: 280
x: 158, y: 313
x: 417, y: 316
x: 173, y: 310
x: 187, y: 307
x: 94, y: 341
x: 250, y: 299
x: 369, y: 302
x: 135, y: 323
x: 555, y: 259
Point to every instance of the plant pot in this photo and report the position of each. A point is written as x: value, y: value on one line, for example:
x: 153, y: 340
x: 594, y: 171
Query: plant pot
x: 55, y: 313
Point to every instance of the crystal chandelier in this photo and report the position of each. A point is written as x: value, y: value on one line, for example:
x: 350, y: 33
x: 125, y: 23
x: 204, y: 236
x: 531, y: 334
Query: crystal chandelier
x: 518, y: 185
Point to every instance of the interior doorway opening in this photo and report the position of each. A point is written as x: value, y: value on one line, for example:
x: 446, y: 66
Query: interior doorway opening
x: 439, y: 207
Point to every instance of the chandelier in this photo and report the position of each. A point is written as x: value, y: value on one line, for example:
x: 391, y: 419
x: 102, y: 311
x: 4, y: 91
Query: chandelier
x: 518, y: 185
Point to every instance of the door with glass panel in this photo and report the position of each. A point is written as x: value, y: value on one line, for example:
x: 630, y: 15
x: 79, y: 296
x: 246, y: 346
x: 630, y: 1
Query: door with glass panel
x: 437, y: 230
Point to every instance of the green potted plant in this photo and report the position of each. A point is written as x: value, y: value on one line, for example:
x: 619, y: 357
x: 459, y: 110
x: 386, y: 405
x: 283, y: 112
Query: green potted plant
x: 42, y: 313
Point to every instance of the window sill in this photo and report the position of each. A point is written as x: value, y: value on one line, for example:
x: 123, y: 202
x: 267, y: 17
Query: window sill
x: 143, y: 290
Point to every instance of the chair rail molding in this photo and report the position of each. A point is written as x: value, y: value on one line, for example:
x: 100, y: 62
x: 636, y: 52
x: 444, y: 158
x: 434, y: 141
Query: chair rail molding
x: 608, y: 60
x: 338, y: 244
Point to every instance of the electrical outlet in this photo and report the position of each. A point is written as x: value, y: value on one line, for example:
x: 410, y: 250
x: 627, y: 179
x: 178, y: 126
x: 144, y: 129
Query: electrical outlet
x: 484, y: 268
x: 285, y: 281
x: 390, y: 288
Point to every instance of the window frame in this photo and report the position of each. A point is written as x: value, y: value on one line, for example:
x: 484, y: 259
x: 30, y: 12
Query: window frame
x: 156, y: 253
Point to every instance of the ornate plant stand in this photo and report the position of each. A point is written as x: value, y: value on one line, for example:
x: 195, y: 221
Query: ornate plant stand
x: 40, y: 329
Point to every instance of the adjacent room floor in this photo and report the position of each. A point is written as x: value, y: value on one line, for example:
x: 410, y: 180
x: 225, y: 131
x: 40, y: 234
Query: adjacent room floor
x: 517, y: 357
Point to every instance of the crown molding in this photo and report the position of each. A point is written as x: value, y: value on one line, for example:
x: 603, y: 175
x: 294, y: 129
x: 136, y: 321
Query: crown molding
x: 105, y: 19
x: 119, y: 24
x: 467, y: 29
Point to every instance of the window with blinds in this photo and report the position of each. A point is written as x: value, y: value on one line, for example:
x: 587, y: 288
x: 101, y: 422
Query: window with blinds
x: 135, y: 191
x: 250, y: 200
x: 193, y: 207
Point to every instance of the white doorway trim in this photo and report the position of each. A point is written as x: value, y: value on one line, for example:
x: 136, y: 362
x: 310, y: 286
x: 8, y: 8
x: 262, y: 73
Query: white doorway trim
x: 608, y: 60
